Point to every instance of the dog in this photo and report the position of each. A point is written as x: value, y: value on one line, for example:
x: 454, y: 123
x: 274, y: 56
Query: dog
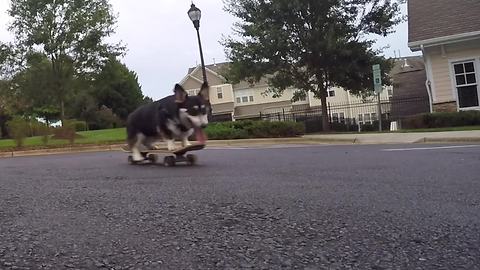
x: 174, y: 117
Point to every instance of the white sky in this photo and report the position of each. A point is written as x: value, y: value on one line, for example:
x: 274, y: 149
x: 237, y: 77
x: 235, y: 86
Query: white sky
x: 162, y: 43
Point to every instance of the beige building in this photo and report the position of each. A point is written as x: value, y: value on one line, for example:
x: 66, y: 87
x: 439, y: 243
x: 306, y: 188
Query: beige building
x: 246, y: 101
x: 448, y: 34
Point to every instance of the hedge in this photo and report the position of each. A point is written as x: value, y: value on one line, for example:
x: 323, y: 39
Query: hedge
x: 443, y: 119
x: 253, y: 129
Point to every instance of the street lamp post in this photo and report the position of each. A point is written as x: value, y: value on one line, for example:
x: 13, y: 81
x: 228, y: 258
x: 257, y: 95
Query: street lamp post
x: 195, y: 14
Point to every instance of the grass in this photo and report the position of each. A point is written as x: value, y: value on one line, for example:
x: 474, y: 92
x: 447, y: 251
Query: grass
x: 118, y: 135
x: 94, y: 137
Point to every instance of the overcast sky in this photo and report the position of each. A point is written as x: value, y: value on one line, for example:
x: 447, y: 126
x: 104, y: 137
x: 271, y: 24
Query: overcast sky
x: 162, y: 43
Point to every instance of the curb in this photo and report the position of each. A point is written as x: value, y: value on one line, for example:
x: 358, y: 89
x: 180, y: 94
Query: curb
x: 212, y: 143
x: 239, y: 142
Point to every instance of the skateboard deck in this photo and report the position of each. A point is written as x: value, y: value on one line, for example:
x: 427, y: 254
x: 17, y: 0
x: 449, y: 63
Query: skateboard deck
x: 171, y: 158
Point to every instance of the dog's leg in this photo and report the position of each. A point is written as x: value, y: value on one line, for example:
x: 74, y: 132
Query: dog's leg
x: 171, y: 144
x: 136, y: 155
x: 185, y: 136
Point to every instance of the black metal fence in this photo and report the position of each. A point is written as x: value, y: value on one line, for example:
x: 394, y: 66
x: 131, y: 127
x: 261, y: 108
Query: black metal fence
x: 352, y: 116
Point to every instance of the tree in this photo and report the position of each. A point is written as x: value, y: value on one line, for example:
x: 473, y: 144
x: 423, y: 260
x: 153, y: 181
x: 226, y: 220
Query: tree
x: 310, y: 45
x: 35, y: 87
x: 117, y: 88
x: 70, y: 33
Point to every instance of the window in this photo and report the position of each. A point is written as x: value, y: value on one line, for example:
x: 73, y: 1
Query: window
x: 239, y: 100
x: 466, y: 84
x: 366, y: 118
x: 192, y: 92
x: 219, y: 93
x: 251, y: 98
x: 360, y: 118
x: 244, y: 99
x: 342, y: 117
x: 335, y: 117
x: 331, y: 93
x: 374, y: 117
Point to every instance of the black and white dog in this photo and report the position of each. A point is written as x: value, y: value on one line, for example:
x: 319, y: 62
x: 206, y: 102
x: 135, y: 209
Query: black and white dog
x: 174, y: 117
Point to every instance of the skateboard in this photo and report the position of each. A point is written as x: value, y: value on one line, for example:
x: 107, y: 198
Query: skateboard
x: 171, y: 157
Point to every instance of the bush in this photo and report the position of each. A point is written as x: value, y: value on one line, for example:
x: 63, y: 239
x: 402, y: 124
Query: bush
x: 254, y: 129
x: 18, y: 129
x: 79, y: 125
x: 225, y: 132
x: 67, y: 131
x: 444, y: 119
x: 105, y: 119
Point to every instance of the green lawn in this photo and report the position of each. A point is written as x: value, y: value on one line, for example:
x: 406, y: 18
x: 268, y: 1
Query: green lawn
x: 118, y: 135
x: 105, y: 136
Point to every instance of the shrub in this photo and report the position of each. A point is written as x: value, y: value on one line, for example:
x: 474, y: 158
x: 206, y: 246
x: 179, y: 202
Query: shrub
x: 443, y: 119
x: 18, y: 129
x: 79, y: 125
x: 105, y: 119
x: 254, y: 129
x: 66, y: 132
x: 225, y: 132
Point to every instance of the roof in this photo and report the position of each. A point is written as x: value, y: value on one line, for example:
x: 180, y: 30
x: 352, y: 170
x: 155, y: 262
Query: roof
x: 217, y: 68
x: 222, y: 68
x: 433, y: 19
x: 408, y: 64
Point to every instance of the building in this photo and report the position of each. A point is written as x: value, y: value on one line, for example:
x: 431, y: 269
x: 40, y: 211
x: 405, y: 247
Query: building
x: 247, y: 101
x: 448, y: 34
x: 410, y: 95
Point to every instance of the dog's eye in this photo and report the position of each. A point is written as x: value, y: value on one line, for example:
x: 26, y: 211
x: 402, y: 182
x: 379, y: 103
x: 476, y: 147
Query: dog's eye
x: 193, y: 111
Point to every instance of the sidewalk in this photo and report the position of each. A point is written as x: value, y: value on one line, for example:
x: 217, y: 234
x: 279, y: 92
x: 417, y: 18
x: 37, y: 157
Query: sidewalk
x: 400, y: 138
x: 354, y: 138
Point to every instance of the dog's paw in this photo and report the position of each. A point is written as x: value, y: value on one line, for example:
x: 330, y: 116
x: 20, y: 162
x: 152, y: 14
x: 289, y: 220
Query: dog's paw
x: 186, y: 143
x: 171, y: 145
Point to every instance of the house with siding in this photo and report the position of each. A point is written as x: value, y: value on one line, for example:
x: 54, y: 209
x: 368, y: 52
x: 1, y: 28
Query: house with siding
x: 448, y: 34
x: 249, y: 101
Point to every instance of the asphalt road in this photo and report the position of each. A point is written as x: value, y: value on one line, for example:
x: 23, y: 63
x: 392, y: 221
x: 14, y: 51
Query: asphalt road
x: 313, y: 207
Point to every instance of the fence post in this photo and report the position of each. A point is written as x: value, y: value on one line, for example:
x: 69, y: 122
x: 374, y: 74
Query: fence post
x: 379, y: 113
x: 329, y: 109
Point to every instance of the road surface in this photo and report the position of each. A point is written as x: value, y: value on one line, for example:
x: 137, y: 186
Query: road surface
x: 304, y: 207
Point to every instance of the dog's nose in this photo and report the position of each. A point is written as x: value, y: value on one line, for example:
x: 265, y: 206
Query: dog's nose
x: 203, y: 126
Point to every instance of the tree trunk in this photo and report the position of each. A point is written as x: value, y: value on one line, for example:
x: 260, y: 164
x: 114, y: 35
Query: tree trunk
x: 62, y: 112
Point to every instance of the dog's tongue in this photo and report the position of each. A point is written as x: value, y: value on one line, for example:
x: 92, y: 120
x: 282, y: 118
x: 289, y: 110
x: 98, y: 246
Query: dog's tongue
x: 200, y: 136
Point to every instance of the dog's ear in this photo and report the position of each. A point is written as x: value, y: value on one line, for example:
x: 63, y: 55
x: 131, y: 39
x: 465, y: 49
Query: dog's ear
x: 180, y: 93
x: 204, y: 91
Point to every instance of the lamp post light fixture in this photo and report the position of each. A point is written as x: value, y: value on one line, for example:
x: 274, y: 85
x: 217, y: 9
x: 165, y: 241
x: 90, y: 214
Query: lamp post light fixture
x: 195, y: 14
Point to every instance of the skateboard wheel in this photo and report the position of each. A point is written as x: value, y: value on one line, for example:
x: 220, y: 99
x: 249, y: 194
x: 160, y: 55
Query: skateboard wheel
x: 152, y: 158
x: 191, y: 159
x: 131, y: 161
x: 169, y: 161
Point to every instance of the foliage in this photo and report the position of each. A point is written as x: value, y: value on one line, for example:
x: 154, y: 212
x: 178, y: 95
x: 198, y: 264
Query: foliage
x: 104, y: 118
x: 70, y: 33
x: 442, y: 119
x: 309, y: 45
x: 117, y: 87
x: 67, y: 131
x: 221, y: 131
x: 18, y: 129
x: 254, y: 129
x: 34, y: 89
